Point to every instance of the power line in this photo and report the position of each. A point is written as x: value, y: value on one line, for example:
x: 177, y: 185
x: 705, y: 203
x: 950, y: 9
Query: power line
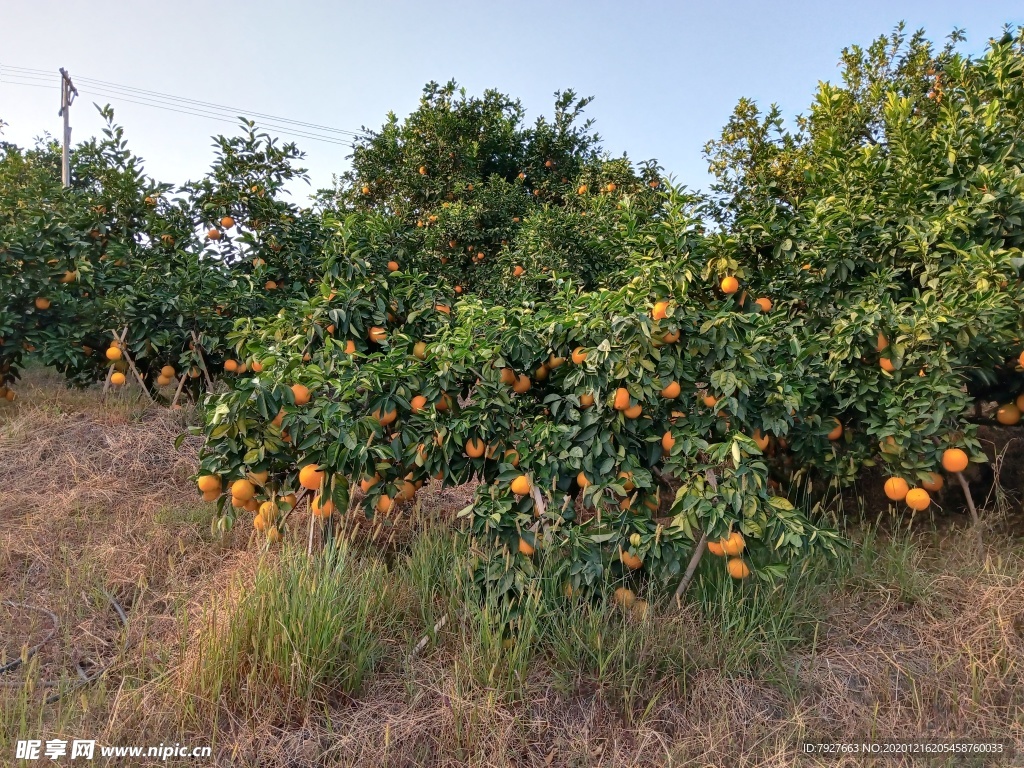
x: 162, y: 96
x: 181, y: 105
x: 214, y: 116
x: 117, y: 87
x: 5, y: 81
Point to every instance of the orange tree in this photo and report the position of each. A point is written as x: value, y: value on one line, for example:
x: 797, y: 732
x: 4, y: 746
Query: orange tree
x: 861, y: 286
x: 477, y: 196
x: 112, y: 252
x: 889, y: 223
x: 620, y: 428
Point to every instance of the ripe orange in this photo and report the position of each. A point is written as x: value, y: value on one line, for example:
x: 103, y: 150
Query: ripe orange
x: 117, y: 379
x: 624, y: 597
x: 423, y: 170
x: 526, y: 548
x: 268, y: 510
x: 621, y: 401
x: 350, y: 347
x: 579, y: 355
x: 557, y: 362
x: 368, y: 482
x: 1008, y: 414
x: 634, y: 412
x: 384, y: 504
x: 273, y: 534
x: 710, y: 401
x: 257, y: 366
x: 1019, y: 402
x: 168, y: 371
x: 715, y: 548
x: 213, y: 234
x: 377, y: 334
x: 290, y: 499
x: 258, y: 478
x: 301, y: 394
x: 319, y: 507
x: 387, y: 417
x: 882, y: 342
x: 627, y: 481
x: 270, y: 285
x: 886, y: 364
x: 660, y: 311
x: 512, y: 457
x: 393, y: 266
x: 444, y: 308
x: 671, y: 390
x: 208, y: 483
x: 765, y: 304
x: 730, y: 285
x: 521, y: 486
x: 475, y: 448
x: 365, y: 190
x: 42, y: 303
x: 406, y: 491
x: 759, y: 439
x: 586, y: 400
x: 734, y: 544
x: 918, y: 499
x: 896, y: 488
x: 113, y: 353
x: 611, y: 186
x: 418, y: 403
x: 630, y: 560
x: 581, y: 480
x: 242, y: 490
x: 671, y: 337
x: 738, y: 568
x: 227, y: 222
x: 934, y: 482
x: 259, y: 523
x: 508, y: 376
x: 1021, y: 359
x: 667, y: 442
x: 582, y: 189
x: 523, y: 384
x: 954, y: 460
x: 518, y: 271
x: 837, y: 431
x: 311, y: 476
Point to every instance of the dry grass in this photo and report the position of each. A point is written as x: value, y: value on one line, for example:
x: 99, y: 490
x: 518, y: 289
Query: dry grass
x: 908, y: 637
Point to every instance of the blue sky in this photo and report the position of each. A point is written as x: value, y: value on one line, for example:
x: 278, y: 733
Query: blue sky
x: 665, y: 74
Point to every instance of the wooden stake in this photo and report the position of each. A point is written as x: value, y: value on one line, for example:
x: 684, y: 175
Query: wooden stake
x: 138, y: 376
x: 691, y: 569
x: 974, y: 515
x: 202, y: 360
x: 106, y: 383
x: 177, y: 392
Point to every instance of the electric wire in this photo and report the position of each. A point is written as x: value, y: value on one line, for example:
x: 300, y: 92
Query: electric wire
x: 24, y: 76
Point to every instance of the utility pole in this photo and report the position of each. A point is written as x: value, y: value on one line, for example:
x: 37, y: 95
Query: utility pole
x: 67, y: 96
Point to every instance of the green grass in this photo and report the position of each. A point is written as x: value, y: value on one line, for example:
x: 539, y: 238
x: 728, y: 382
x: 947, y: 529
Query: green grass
x: 301, y: 631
